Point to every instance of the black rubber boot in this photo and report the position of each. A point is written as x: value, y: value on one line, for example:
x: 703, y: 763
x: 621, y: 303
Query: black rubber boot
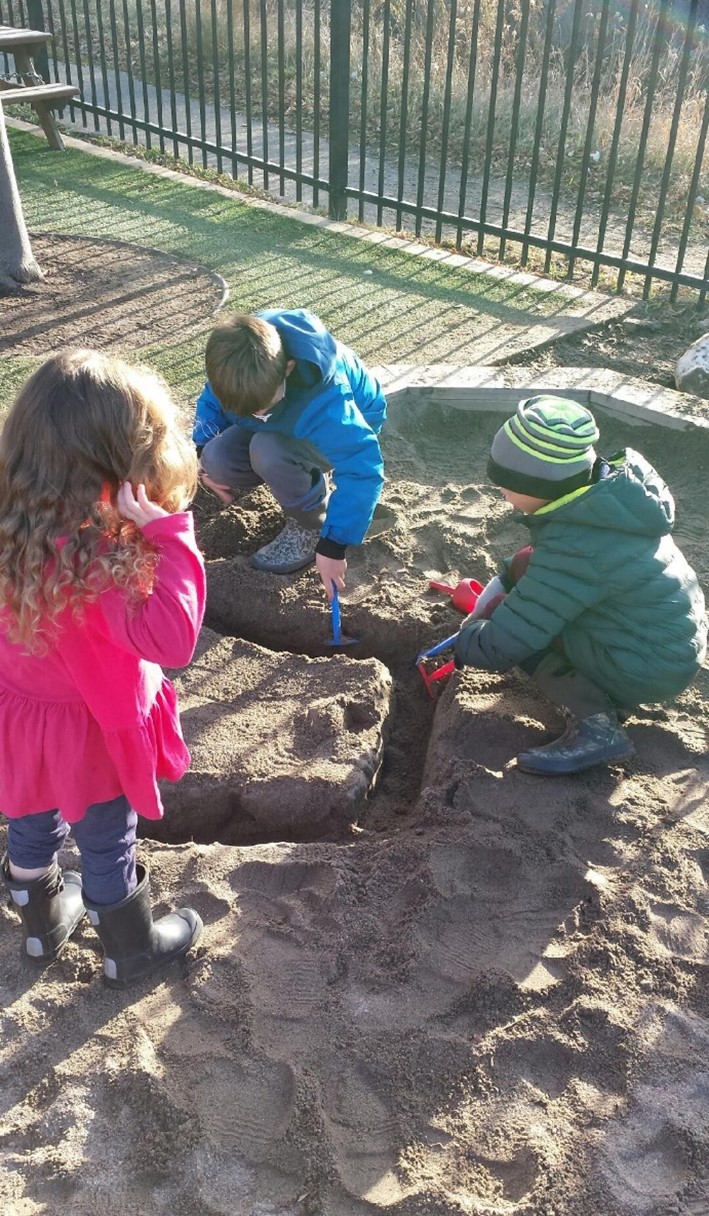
x: 586, y: 742
x: 50, y: 907
x: 134, y: 945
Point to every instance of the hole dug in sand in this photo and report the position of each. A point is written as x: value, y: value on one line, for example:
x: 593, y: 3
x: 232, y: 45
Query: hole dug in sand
x: 292, y: 740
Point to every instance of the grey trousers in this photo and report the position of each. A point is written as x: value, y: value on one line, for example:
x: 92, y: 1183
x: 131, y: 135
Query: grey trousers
x: 293, y: 469
x: 565, y: 685
x: 550, y: 669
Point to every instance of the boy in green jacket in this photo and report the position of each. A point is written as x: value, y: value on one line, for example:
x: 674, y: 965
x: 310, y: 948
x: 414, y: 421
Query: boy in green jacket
x: 602, y: 610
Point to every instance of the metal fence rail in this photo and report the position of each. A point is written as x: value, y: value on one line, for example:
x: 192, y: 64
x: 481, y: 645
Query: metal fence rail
x: 566, y: 133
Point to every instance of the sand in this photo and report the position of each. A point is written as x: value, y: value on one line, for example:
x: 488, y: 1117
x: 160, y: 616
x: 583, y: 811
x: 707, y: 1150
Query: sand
x: 461, y: 990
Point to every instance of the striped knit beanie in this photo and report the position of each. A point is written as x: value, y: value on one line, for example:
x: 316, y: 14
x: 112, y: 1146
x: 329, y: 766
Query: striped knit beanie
x: 546, y: 450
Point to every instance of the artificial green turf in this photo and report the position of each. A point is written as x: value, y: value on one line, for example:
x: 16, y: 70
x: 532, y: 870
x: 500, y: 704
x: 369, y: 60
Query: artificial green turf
x: 405, y: 310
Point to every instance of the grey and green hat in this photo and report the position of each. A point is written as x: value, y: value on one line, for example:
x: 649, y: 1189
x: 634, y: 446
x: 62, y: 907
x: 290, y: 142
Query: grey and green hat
x: 546, y: 450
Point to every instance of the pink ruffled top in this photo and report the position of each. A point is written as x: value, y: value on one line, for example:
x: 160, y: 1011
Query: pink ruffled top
x: 96, y: 717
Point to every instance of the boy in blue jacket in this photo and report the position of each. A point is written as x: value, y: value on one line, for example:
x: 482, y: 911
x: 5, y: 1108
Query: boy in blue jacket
x: 602, y: 611
x: 287, y: 405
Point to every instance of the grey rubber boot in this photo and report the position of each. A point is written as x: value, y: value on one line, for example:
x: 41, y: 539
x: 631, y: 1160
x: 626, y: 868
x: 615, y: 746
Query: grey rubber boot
x: 586, y: 742
x: 50, y: 908
x: 134, y: 944
x: 291, y: 550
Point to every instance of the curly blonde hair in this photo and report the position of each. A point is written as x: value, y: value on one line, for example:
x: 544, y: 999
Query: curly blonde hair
x: 82, y: 424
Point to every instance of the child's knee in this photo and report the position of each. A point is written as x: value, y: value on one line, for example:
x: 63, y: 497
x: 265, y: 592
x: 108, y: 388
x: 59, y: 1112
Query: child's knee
x: 212, y: 463
x: 268, y: 452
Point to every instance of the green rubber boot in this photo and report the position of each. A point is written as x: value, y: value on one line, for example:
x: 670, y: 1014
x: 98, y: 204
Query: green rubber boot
x: 586, y: 742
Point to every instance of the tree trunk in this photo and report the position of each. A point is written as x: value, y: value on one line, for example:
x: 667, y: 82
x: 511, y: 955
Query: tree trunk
x: 17, y: 264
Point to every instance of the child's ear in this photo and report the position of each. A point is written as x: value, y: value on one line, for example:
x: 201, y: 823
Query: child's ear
x: 289, y: 366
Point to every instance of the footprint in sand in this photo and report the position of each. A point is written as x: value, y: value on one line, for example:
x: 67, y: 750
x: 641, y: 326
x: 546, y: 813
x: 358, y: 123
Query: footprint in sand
x: 499, y: 912
x: 515, y: 1176
x: 247, y: 1107
x: 682, y: 934
x: 648, y: 1153
x: 287, y: 878
x: 649, y: 1162
x: 287, y: 981
x: 542, y: 1063
x: 285, y: 908
x: 363, y: 1132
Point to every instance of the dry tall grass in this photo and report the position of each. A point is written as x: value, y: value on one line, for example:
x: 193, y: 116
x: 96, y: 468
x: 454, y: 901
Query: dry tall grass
x: 426, y: 71
x: 390, y: 42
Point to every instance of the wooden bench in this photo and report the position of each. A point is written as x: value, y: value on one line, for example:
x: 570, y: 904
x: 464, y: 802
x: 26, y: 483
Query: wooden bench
x: 28, y: 86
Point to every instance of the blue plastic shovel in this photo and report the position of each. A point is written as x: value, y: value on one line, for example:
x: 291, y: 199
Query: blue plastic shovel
x: 338, y: 638
x: 444, y: 645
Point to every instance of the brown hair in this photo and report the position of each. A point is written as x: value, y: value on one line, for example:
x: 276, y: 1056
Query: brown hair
x: 246, y: 361
x: 82, y: 424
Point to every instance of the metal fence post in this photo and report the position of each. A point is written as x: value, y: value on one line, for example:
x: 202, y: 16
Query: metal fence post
x: 339, y: 117
x: 35, y: 13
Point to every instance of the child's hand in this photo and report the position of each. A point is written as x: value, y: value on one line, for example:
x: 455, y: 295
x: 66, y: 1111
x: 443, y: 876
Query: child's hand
x: 138, y: 507
x: 221, y: 491
x: 331, y: 570
x: 492, y: 594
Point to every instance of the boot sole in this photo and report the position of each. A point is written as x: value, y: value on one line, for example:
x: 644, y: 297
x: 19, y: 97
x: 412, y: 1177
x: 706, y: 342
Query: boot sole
x: 290, y: 568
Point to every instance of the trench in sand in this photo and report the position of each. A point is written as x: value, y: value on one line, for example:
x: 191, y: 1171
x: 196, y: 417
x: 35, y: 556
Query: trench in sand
x: 293, y: 741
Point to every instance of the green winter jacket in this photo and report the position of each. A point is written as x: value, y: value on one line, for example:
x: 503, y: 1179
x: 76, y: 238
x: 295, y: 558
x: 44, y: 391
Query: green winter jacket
x: 607, y: 583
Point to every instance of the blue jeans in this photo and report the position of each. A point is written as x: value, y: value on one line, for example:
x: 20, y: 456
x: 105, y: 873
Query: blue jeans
x: 105, y: 838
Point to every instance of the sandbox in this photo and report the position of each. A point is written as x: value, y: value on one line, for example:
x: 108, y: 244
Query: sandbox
x: 291, y: 741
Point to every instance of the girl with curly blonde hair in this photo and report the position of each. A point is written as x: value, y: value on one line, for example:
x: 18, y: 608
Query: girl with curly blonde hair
x: 101, y: 583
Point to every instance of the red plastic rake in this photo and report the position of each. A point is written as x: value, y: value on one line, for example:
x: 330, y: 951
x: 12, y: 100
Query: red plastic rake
x: 431, y: 675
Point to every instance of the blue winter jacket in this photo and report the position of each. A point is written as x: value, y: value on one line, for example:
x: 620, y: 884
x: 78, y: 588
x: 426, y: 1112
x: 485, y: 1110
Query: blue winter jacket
x: 333, y: 402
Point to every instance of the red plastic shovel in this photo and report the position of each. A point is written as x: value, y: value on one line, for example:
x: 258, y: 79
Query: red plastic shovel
x: 464, y: 596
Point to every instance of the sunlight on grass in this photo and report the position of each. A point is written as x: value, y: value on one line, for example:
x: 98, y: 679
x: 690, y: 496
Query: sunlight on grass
x: 258, y: 251
x: 392, y: 307
x: 13, y: 373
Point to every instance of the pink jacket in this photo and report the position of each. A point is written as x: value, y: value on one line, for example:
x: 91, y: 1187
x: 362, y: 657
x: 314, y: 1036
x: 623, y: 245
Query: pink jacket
x: 96, y: 717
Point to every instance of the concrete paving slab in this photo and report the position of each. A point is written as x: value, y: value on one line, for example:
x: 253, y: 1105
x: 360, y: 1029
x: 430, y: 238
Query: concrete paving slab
x: 499, y: 389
